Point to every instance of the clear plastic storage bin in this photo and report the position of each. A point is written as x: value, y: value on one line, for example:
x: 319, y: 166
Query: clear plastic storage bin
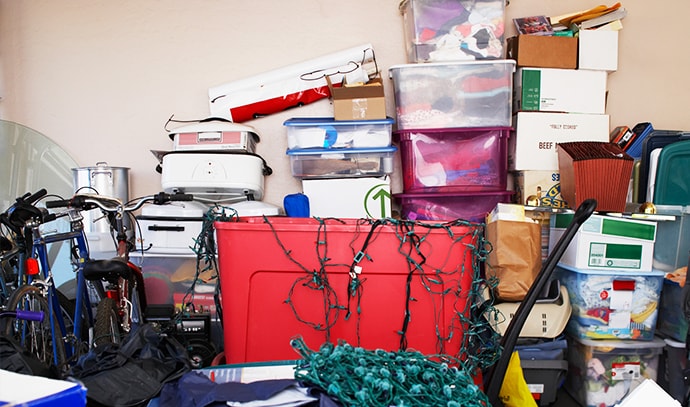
x: 453, y: 94
x: 326, y: 132
x: 445, y: 30
x: 602, y: 373
x: 312, y: 163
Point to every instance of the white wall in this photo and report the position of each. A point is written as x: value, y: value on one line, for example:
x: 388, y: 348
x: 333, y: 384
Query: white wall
x: 102, y: 77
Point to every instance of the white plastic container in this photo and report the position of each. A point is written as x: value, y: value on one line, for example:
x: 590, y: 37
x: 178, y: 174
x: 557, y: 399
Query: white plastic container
x: 170, y: 228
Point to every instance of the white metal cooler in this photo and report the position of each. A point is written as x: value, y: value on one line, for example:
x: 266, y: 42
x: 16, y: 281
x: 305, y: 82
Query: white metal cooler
x: 214, y: 174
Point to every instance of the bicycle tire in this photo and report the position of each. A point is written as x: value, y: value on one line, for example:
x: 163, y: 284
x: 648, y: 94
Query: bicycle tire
x: 35, y: 337
x: 107, y: 326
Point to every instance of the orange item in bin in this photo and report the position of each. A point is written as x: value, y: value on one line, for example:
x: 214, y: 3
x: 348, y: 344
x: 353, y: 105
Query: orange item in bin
x: 598, y: 170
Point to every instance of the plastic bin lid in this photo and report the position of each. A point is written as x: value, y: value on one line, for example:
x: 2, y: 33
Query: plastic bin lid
x: 672, y: 186
x: 454, y: 63
x: 478, y: 194
x: 618, y: 272
x: 334, y: 151
x: 656, y: 344
x: 330, y: 121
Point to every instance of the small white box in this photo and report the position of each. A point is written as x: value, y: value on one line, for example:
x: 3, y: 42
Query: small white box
x: 349, y: 197
x: 537, y: 133
x: 560, y: 90
x: 598, y: 50
x: 606, y: 243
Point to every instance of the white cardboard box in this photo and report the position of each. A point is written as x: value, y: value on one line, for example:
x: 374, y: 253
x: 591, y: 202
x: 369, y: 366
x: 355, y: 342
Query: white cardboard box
x: 349, y: 197
x: 560, y: 90
x: 533, y: 146
x: 606, y: 243
x: 598, y: 50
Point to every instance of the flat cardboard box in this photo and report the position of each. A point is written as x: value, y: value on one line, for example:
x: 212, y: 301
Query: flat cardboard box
x: 542, y: 186
x: 533, y: 146
x: 598, y: 50
x: 543, y: 51
x: 560, y: 90
x: 364, y: 102
x: 349, y: 197
x: 607, y: 243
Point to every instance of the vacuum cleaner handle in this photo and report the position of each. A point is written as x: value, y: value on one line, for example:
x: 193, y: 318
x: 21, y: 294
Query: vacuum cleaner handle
x: 496, y: 373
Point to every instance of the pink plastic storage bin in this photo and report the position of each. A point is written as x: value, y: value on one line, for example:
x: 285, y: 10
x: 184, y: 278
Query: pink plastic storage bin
x: 454, y: 160
x: 449, y: 206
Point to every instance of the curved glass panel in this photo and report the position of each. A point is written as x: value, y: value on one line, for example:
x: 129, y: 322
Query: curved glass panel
x: 30, y: 161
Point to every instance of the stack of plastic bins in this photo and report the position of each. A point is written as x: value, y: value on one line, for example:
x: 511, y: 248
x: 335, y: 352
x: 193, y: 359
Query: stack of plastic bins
x: 453, y: 124
x: 614, y: 293
x: 344, y: 165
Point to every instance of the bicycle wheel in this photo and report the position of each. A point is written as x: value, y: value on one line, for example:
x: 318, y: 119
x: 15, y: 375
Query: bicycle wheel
x: 35, y: 337
x: 107, y: 327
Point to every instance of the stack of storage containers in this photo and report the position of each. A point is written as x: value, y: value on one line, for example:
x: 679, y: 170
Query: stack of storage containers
x: 343, y: 164
x: 453, y: 107
x: 614, y: 292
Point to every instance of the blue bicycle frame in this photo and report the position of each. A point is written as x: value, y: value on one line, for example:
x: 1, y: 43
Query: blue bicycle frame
x: 40, y: 250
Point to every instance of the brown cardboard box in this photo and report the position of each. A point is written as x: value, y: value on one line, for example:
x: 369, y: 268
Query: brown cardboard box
x: 543, y: 51
x: 364, y: 102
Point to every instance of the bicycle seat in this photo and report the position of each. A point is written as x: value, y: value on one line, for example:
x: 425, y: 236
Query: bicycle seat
x: 108, y: 269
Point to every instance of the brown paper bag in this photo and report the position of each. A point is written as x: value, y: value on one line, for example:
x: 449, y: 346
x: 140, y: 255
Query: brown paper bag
x: 516, y: 257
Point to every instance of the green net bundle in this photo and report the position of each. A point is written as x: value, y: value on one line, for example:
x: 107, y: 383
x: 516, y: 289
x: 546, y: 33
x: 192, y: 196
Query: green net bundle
x: 358, y: 377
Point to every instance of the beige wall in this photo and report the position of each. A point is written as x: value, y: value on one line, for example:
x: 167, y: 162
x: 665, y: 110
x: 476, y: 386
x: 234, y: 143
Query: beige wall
x: 101, y: 77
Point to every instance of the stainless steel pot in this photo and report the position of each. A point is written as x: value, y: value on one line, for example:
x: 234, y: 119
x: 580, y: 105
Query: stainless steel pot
x: 106, y: 180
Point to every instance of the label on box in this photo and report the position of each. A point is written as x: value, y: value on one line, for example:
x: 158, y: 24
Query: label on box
x: 536, y: 390
x: 625, y: 371
x: 612, y: 255
x: 540, y: 187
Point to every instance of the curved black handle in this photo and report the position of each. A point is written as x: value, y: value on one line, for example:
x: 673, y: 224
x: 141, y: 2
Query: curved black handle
x: 495, y: 375
x: 35, y: 196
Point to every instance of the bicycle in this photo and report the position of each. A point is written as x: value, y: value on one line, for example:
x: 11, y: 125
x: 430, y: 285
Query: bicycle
x: 124, y: 292
x: 68, y: 331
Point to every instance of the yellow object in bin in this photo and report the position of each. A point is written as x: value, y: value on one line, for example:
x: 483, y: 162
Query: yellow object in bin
x: 514, y: 391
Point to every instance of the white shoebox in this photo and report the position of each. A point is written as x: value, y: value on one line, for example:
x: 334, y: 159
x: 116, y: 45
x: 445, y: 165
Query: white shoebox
x: 349, y: 197
x: 606, y: 243
x: 560, y: 90
x: 598, y: 50
x: 533, y: 146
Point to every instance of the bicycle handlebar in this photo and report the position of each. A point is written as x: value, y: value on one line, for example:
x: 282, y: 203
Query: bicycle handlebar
x: 109, y: 204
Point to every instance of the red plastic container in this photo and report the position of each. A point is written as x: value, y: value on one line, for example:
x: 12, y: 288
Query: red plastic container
x: 266, y: 271
x: 445, y: 206
x: 454, y: 160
